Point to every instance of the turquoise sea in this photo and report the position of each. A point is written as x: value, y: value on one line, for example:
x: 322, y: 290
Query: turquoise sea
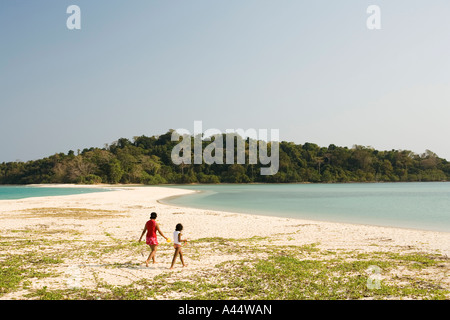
x: 421, y: 205
x: 21, y: 192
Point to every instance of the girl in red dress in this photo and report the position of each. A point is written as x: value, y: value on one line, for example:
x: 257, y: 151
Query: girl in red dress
x: 151, y: 227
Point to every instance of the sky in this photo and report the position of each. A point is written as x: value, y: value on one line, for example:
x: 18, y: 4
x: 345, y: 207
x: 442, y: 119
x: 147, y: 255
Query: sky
x: 311, y: 69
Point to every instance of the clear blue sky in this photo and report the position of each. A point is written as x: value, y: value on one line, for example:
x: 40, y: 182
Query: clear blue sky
x: 308, y: 68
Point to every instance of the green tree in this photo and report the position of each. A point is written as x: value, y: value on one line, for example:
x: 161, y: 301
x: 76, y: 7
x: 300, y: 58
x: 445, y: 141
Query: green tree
x: 115, y: 171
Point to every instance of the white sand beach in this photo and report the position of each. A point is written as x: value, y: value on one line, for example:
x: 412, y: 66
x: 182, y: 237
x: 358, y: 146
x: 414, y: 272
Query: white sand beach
x: 81, y: 225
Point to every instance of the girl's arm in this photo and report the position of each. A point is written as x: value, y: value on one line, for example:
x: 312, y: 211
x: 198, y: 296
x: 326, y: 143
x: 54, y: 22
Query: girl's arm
x: 143, y: 232
x: 159, y: 230
x: 181, y: 240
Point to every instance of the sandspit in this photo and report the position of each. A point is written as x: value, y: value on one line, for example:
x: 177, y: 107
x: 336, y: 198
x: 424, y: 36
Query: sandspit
x: 86, y: 247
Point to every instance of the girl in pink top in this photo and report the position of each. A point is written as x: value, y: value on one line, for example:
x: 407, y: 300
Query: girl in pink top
x: 151, y: 239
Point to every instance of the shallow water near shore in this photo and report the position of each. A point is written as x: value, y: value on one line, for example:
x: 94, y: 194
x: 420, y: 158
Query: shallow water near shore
x: 23, y: 192
x: 421, y: 205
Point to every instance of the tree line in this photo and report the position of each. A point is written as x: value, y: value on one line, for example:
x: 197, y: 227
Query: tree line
x: 147, y: 160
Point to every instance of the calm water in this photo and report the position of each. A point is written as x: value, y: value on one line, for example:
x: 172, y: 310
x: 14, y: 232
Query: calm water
x: 21, y: 192
x: 408, y: 205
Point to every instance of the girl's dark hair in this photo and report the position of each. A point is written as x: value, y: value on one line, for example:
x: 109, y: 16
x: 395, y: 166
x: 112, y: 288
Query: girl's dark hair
x: 179, y: 227
x: 153, y: 215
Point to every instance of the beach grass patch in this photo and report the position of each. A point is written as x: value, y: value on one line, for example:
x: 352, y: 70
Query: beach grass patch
x: 416, y: 260
x: 215, y: 240
x: 288, y: 276
x: 70, y: 213
x: 255, y: 269
x: 16, y: 269
x: 11, y: 274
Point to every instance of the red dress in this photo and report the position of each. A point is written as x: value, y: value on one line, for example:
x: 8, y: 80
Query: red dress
x: 151, y: 238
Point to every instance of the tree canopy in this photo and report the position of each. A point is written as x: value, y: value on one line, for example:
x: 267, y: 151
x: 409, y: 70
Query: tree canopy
x: 147, y: 160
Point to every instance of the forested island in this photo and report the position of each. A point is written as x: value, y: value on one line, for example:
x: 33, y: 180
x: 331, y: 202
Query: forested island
x: 147, y: 160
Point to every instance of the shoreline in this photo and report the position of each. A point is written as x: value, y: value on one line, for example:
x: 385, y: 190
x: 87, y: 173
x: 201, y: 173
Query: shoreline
x: 118, y: 187
x: 165, y: 193
x: 163, y: 202
x: 106, y: 185
x: 98, y: 233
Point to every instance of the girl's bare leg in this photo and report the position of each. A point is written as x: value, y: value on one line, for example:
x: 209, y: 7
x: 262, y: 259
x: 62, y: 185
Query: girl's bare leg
x: 177, y: 250
x: 152, y: 255
x: 181, y: 258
